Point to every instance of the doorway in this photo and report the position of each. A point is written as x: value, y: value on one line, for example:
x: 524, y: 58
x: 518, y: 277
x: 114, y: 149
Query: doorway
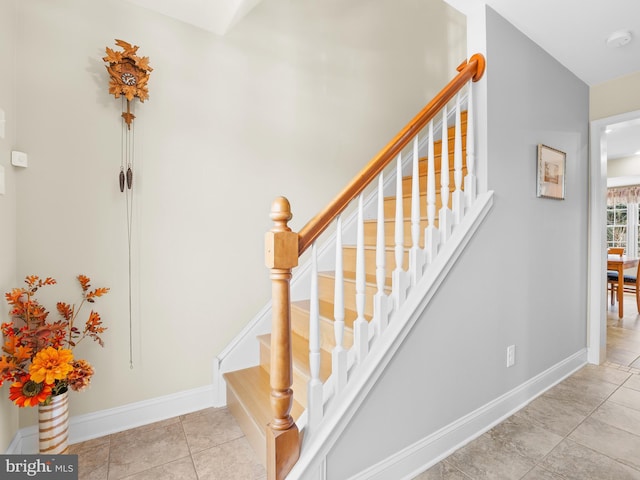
x: 596, y: 290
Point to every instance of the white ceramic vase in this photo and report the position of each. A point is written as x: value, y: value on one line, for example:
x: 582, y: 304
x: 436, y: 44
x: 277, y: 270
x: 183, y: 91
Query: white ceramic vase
x: 53, y: 430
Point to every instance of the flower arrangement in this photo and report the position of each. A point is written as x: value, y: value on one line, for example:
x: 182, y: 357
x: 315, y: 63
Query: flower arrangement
x: 37, y: 356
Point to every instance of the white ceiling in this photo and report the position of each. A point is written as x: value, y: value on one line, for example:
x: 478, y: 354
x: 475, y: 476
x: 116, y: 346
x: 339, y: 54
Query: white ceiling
x: 574, y: 32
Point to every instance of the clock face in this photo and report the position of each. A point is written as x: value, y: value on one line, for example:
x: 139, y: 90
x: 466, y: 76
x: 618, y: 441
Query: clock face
x: 128, y: 78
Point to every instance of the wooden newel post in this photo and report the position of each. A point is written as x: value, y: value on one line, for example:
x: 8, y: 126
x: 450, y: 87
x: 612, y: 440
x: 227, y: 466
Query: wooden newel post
x: 281, y: 255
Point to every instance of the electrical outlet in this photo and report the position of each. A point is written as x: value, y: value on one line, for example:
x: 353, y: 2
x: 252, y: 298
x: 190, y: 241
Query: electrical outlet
x: 511, y: 355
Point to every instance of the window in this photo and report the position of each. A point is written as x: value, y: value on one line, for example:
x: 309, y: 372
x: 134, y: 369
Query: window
x: 617, y: 225
x: 623, y: 227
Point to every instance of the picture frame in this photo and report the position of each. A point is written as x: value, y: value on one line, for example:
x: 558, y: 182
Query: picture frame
x: 551, y: 172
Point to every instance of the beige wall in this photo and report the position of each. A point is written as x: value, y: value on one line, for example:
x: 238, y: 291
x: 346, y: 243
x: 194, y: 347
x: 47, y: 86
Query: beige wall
x: 8, y: 411
x: 624, y: 167
x: 293, y: 101
x: 614, y: 97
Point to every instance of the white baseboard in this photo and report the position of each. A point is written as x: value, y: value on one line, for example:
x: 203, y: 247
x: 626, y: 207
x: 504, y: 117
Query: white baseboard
x: 113, y: 420
x: 428, y: 451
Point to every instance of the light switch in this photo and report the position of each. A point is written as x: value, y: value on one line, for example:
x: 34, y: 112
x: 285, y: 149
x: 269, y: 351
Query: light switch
x: 2, y: 188
x: 19, y: 159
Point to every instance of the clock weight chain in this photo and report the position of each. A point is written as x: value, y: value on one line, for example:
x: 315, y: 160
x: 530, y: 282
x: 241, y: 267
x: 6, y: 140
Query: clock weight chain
x: 129, y: 75
x: 127, y: 159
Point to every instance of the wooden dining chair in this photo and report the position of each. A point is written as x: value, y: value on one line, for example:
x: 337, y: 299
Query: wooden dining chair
x: 610, y: 282
x: 630, y: 285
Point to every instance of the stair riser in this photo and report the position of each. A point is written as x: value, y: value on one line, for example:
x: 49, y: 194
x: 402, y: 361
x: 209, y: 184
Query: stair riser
x: 349, y: 259
x: 437, y: 150
x: 300, y: 379
x: 371, y: 234
x: 254, y: 435
x: 407, y: 181
x: 300, y: 325
x: 390, y: 205
x: 326, y: 292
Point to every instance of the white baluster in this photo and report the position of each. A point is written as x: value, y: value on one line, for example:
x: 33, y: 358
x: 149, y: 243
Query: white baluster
x: 445, y: 217
x: 314, y: 388
x: 381, y: 299
x: 360, y: 326
x: 458, y: 194
x: 470, y: 179
x: 431, y: 234
x: 339, y: 354
x: 400, y: 278
x: 416, y: 255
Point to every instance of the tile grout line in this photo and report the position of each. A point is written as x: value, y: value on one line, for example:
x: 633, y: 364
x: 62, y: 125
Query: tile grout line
x: 193, y: 463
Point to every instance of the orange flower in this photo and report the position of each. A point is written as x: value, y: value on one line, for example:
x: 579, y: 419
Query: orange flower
x: 80, y: 378
x: 27, y: 393
x: 51, y: 364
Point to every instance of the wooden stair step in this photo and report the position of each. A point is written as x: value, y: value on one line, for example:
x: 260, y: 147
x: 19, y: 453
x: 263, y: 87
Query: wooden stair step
x: 370, y: 258
x: 248, y: 400
x: 390, y: 203
x: 326, y: 289
x: 371, y: 234
x: 407, y: 181
x: 300, y: 359
x: 300, y: 323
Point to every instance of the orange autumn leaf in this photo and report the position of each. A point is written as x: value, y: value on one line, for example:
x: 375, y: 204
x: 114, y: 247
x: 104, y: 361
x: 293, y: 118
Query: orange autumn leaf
x: 84, y: 282
x: 65, y: 310
x: 22, y: 353
x: 6, y: 363
x: 13, y: 297
x: 10, y: 345
x: 98, y: 292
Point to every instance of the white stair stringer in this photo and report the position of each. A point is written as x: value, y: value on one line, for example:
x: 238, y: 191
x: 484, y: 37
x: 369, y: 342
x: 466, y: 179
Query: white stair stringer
x: 317, y: 443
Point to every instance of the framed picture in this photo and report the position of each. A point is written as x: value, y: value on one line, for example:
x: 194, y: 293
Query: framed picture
x: 551, y: 170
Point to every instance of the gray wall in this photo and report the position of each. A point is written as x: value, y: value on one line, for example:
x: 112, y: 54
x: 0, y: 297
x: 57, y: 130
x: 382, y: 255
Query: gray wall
x: 521, y: 281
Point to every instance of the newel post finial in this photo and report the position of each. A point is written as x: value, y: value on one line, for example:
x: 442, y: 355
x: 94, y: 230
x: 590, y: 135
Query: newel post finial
x: 281, y: 214
x: 281, y: 255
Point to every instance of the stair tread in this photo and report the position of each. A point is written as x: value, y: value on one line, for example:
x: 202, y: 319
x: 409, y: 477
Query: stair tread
x: 252, y: 386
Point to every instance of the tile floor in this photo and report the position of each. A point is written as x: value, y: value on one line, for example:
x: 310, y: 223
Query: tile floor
x: 585, y: 428
x: 204, y: 445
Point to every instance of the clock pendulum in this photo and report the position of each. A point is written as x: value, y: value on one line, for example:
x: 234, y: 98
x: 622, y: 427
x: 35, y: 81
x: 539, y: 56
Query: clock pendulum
x: 129, y: 74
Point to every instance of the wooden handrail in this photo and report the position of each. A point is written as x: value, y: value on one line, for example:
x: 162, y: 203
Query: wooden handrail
x: 471, y: 70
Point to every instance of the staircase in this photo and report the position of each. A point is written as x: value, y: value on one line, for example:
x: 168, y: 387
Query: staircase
x: 312, y: 357
x: 248, y: 390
